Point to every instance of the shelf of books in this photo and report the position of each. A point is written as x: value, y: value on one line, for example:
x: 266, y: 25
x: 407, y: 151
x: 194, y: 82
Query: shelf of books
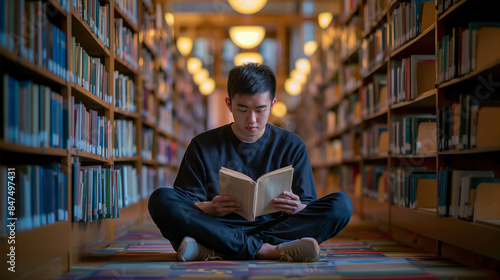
x: 88, y: 128
x: 418, y: 99
x: 468, y: 68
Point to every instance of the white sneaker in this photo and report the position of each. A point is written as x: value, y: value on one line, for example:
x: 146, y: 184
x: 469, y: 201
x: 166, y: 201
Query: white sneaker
x: 301, y: 250
x: 190, y: 250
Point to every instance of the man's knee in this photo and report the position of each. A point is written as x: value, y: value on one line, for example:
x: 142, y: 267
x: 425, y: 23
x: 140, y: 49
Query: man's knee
x: 341, y: 206
x: 162, y: 201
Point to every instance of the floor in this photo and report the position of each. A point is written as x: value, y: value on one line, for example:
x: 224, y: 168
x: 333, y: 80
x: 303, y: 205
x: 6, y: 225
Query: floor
x: 360, y: 251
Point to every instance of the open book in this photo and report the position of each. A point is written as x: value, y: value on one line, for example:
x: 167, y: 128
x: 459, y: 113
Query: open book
x: 255, y: 196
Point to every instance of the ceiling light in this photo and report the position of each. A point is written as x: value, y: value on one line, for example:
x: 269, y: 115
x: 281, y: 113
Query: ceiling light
x: 184, y: 45
x: 324, y: 19
x: 298, y: 76
x: 247, y: 7
x: 303, y: 65
x: 247, y: 37
x: 207, y: 86
x: 279, y: 109
x: 247, y: 57
x: 200, y: 76
x: 193, y: 65
x: 292, y: 87
x: 310, y: 47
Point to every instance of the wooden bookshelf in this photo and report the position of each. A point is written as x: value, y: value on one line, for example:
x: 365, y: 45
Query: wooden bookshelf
x: 443, y: 232
x: 67, y: 243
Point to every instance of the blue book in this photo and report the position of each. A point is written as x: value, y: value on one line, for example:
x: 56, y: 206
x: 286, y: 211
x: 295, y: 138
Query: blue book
x: 53, y: 111
x: 15, y: 111
x: 76, y: 193
x: 60, y: 121
x: 58, y: 196
x: 45, y: 195
x: 95, y: 196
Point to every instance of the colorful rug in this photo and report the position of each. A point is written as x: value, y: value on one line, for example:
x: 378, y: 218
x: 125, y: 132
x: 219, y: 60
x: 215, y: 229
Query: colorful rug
x: 359, y: 252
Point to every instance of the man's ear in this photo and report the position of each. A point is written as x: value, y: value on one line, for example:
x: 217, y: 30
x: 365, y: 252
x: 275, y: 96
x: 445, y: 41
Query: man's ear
x: 273, y: 102
x: 228, y: 104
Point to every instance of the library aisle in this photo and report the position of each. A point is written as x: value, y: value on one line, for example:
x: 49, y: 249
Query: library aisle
x: 360, y: 251
x: 397, y: 102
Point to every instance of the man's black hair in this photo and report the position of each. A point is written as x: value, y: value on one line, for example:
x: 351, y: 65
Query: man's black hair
x: 251, y: 79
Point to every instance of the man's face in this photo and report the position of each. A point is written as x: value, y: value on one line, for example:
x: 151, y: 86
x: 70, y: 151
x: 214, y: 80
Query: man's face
x: 250, y: 114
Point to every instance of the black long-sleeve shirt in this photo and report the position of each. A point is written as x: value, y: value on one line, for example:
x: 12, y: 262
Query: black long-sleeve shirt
x: 199, y: 170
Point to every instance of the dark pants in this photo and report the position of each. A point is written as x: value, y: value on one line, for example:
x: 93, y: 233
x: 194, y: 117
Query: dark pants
x: 177, y: 216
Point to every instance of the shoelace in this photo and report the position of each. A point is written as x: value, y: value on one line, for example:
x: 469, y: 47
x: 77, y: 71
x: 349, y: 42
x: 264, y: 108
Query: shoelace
x: 288, y: 252
x: 212, y: 257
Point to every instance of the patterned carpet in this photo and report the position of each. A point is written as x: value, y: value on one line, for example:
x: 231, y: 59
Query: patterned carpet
x: 359, y: 252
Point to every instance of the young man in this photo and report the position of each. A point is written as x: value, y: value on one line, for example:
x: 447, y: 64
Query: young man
x: 200, y: 223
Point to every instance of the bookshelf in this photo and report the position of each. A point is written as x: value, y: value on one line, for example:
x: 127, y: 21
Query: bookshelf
x: 88, y: 74
x: 408, y: 79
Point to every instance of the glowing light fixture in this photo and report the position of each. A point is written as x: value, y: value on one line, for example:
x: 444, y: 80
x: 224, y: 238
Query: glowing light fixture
x: 193, y: 65
x: 200, y: 76
x: 324, y: 19
x: 207, y: 86
x: 247, y: 57
x: 247, y: 37
x: 310, y: 47
x: 292, y: 87
x: 169, y: 18
x: 184, y: 45
x: 279, y: 109
x: 303, y: 65
x: 298, y: 76
x: 247, y: 7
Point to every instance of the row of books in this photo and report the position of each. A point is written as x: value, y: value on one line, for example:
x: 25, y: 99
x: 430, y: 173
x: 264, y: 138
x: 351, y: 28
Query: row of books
x: 129, y: 8
x: 47, y: 123
x: 166, y: 177
x: 148, y: 67
x: 468, y: 123
x: 373, y: 10
x: 95, y: 16
x: 465, y: 49
x: 350, y: 78
x: 147, y: 143
x: 125, y: 144
x: 411, y: 77
x: 350, y: 38
x: 92, y: 133
x: 458, y: 191
x: 373, y: 96
x: 373, y: 50
x: 444, y: 5
x: 351, y: 144
x: 165, y: 81
x: 149, y: 105
x: 376, y: 182
x: 166, y: 118
x: 125, y: 92
x: 100, y: 192
x: 39, y: 193
x: 90, y: 73
x: 413, y: 134
x: 404, y: 184
x: 333, y: 152
x: 167, y: 151
x: 350, y: 179
x: 408, y: 20
x: 25, y: 27
x: 126, y: 44
x: 349, y: 7
x: 148, y: 177
x: 149, y: 31
x: 375, y: 140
